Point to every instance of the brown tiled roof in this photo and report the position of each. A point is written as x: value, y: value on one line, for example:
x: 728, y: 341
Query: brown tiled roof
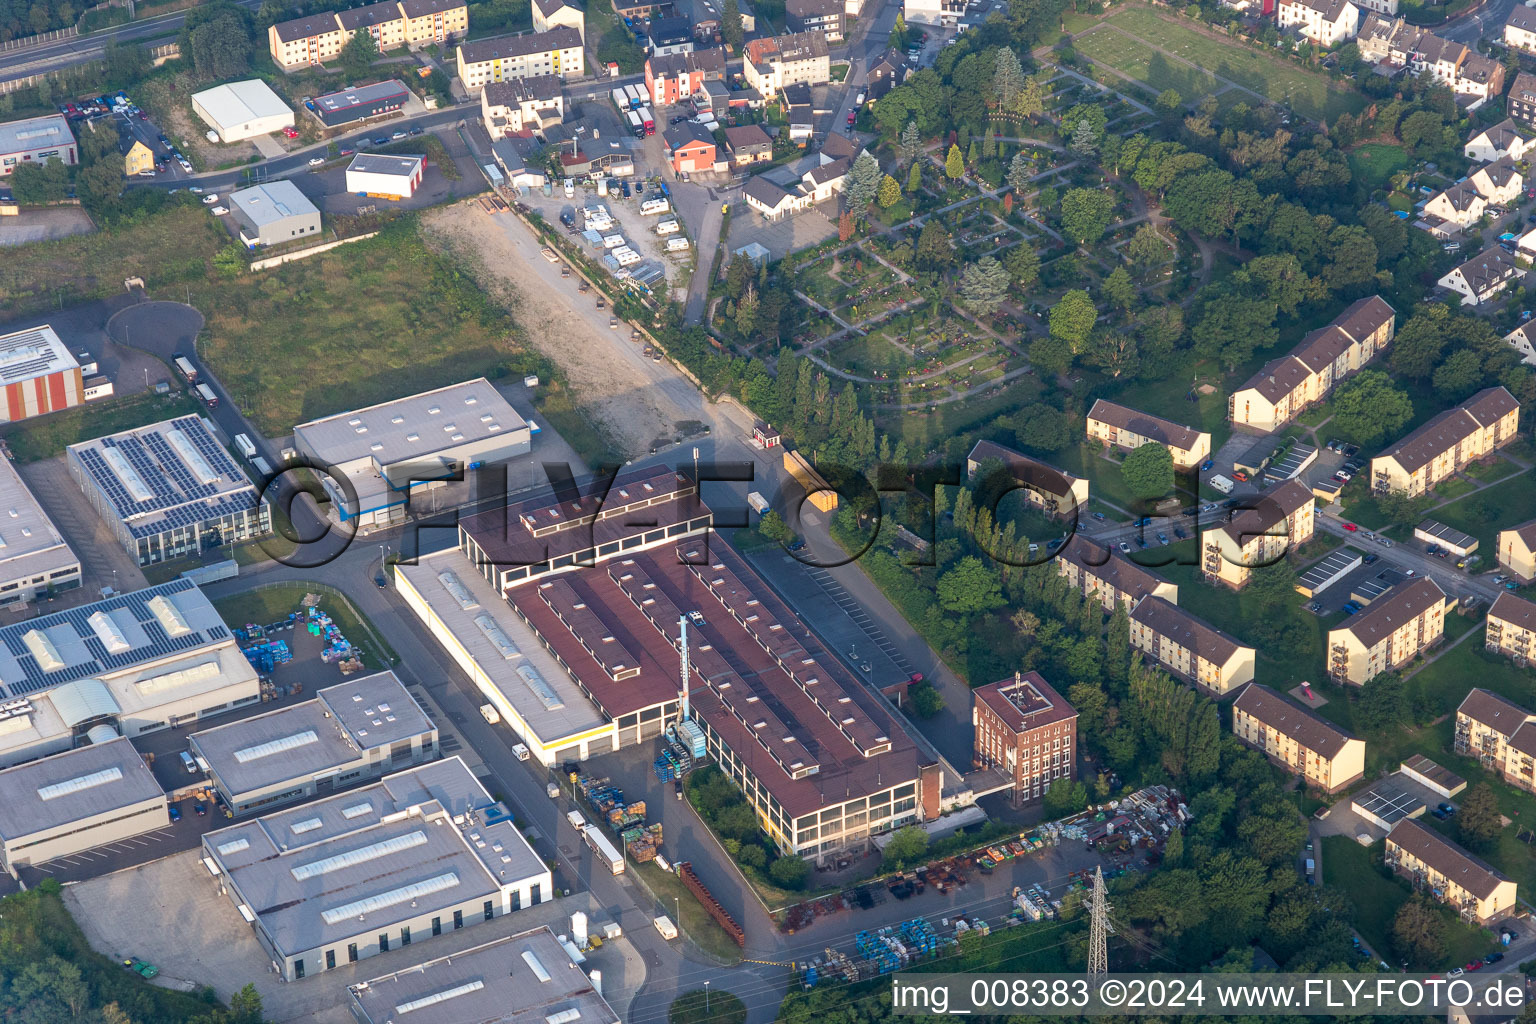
x: 1487, y: 708
x: 1308, y: 729
x: 1524, y: 89
x: 1025, y: 702
x: 373, y: 14
x: 1512, y: 609
x: 423, y: 8
x: 1278, y: 378
x: 1122, y: 574
x: 1027, y: 470
x: 1506, y: 131
x: 562, y: 37
x: 1524, y: 739
x: 1403, y: 603
x: 1268, y: 512
x: 304, y: 28
x: 1526, y: 532
x: 1450, y: 427
x: 745, y: 136
x: 1321, y: 348
x: 1428, y: 846
x: 1199, y: 638
x: 1522, y: 17
x: 548, y: 7
x: 1158, y: 429
x: 1490, y: 405
x: 1499, y: 173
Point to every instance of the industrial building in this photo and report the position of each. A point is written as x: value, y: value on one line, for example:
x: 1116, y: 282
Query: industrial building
x: 273, y: 212
x: 134, y: 663
x: 35, y: 140
x: 37, y: 375
x: 1302, y: 742
x: 527, y: 978
x: 242, y: 110
x: 1027, y: 730
x: 388, y: 451
x: 75, y: 801
x: 168, y: 490
x: 34, y: 558
x: 385, y: 177
x: 351, y: 731
x: 416, y: 854
x: 338, y: 108
x: 1450, y: 874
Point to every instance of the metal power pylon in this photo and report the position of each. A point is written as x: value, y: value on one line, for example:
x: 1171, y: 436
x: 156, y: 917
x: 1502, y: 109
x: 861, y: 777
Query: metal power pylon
x: 1098, y: 929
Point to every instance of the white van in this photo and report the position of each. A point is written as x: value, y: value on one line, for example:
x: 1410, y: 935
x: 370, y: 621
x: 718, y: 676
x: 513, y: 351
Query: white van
x: 520, y: 751
x: 570, y: 188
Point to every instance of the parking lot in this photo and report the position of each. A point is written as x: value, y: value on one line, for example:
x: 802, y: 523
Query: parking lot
x: 639, y: 230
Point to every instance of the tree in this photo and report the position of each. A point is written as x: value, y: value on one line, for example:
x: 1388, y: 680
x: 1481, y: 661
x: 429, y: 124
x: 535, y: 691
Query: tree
x: 862, y: 183
x: 907, y: 846
x: 1367, y: 408
x: 934, y: 251
x: 971, y: 586
x: 911, y: 143
x: 1418, y: 933
x: 926, y: 700
x: 1478, y: 821
x: 230, y: 260
x: 245, y: 1006
x: 126, y: 62
x: 1018, y: 173
x: 889, y: 194
x: 1417, y: 347
x: 1085, y: 213
x: 730, y: 25
x: 1380, y: 705
x: 1063, y: 798
x: 1030, y: 101
x: 915, y: 179
x: 1023, y: 265
x: 1084, y: 142
x: 983, y: 285
x: 954, y: 163
x: 789, y: 872
x: 1007, y: 79
x: 1051, y: 355
x: 1118, y: 289
x: 1042, y: 429
x: 220, y: 42
x: 1148, y: 471
x: 1072, y: 318
x: 1458, y: 376
x: 844, y: 226
x: 1072, y: 123
x: 1271, y: 585
x: 358, y: 55
x: 33, y: 184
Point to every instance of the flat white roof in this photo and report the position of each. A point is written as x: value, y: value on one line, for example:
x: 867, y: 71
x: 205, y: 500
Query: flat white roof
x: 237, y: 103
x: 35, y: 133
x: 30, y: 545
x: 271, y: 203
x: 34, y: 352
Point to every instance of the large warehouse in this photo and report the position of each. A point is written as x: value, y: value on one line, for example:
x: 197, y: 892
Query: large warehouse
x: 34, y: 558
x: 242, y: 110
x: 272, y: 213
x: 386, y: 451
x: 136, y: 662
x: 35, y: 140
x: 354, y: 730
x: 385, y: 177
x: 339, y: 108
x: 418, y: 853
x: 37, y: 375
x: 169, y: 489
x: 78, y: 800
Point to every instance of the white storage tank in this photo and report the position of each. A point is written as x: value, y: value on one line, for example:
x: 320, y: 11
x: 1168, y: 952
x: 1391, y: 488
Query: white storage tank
x: 579, y: 929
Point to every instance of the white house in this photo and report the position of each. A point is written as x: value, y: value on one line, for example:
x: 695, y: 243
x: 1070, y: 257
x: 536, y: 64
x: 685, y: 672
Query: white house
x: 1505, y: 139
x: 1520, y: 29
x: 1482, y: 277
x: 1521, y: 338
x: 1460, y: 205
x: 944, y: 13
x: 1326, y: 23
x: 1499, y: 182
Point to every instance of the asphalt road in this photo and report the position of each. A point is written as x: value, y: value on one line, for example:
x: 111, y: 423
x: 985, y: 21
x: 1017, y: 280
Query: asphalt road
x: 1484, y: 19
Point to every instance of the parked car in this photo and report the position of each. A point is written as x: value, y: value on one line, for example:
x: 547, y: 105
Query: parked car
x: 195, y: 190
x: 1493, y: 958
x: 316, y: 161
x: 210, y: 198
x: 1447, y: 808
x: 1454, y: 972
x: 175, y: 812
x: 1438, y: 813
x: 1371, y: 558
x: 401, y: 134
x: 1125, y: 548
x: 1240, y: 476
x: 1098, y: 515
x: 219, y: 211
x: 1351, y: 527
x: 1178, y: 531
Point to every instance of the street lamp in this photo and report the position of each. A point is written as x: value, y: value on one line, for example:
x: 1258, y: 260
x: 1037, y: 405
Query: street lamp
x: 706, y: 997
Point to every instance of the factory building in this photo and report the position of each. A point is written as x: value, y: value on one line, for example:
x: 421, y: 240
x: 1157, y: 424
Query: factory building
x: 134, y: 663
x: 272, y: 213
x: 37, y: 375
x: 168, y: 490
x: 36, y: 139
x: 527, y: 978
x: 75, y: 801
x: 34, y: 558
x: 419, y: 853
x: 385, y: 177
x: 388, y: 451
x: 242, y: 110
x: 1024, y: 727
x: 354, y: 730
x: 338, y: 108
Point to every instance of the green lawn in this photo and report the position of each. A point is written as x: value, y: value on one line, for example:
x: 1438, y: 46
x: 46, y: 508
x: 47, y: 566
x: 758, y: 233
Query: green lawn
x: 1448, y: 678
x: 1508, y: 503
x: 696, y: 925
x: 273, y: 603
x: 47, y: 436
x: 1374, y: 163
x: 1136, y: 59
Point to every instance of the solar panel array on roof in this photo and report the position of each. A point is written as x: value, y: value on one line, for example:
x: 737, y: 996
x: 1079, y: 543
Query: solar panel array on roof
x: 124, y: 608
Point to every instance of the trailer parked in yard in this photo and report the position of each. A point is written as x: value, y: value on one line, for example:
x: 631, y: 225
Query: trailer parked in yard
x: 603, y: 849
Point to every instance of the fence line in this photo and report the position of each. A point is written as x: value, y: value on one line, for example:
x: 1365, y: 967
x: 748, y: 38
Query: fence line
x: 315, y: 587
x: 45, y: 37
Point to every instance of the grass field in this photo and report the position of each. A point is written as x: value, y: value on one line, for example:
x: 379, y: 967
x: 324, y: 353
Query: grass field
x: 1374, y: 163
x: 1143, y: 63
x: 674, y: 900
x: 47, y: 436
x: 1483, y: 514
x: 1311, y: 94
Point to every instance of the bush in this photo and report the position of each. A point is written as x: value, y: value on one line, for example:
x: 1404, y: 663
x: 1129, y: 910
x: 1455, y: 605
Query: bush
x: 790, y: 872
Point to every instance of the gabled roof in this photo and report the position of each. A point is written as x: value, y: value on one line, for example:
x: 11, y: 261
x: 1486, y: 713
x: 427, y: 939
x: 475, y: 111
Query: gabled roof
x: 1308, y: 729
x: 550, y: 7
x: 1449, y: 860
x: 1524, y: 89
x: 1488, y: 708
x: 1507, y: 131
x: 1145, y: 424
x: 1446, y: 430
x: 746, y: 136
x: 1177, y: 625
x: 306, y: 27
x: 424, y: 8
x: 1515, y: 610
x: 562, y: 37
x: 1499, y: 174
x: 1522, y: 17
x: 1365, y: 317
x: 828, y: 172
x: 765, y: 192
x: 1487, y: 269
x: 1526, y: 532
x: 1462, y: 197
x: 1278, y: 378
x: 365, y: 17
x: 1122, y: 574
x: 1387, y: 614
x: 1332, y: 10
x: 1268, y: 512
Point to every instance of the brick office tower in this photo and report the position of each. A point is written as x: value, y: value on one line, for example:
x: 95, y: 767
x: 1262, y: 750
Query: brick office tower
x: 1028, y: 730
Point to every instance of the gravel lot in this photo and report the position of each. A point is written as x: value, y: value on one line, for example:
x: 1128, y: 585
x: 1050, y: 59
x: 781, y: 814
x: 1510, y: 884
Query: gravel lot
x: 44, y: 225
x: 639, y: 232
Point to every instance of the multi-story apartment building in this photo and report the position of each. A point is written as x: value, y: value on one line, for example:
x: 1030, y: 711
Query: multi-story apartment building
x: 824, y: 16
x: 1305, y: 744
x: 1284, y: 387
x: 1025, y: 728
x: 940, y: 13
x: 1048, y: 488
x: 1324, y: 22
x: 1100, y: 573
x: 1447, y: 444
x: 1520, y: 29
x: 1506, y: 138
x: 1396, y: 627
x: 1452, y: 875
x: 521, y: 104
x: 1483, y: 276
x: 1115, y: 425
x: 548, y: 14
x: 1191, y: 649
x: 1397, y: 44
x: 556, y: 52
x: 1499, y: 182
x: 1278, y: 522
x: 1517, y: 551
x: 1522, y: 98
x: 772, y: 63
x: 1511, y: 628
x: 1485, y: 723
x: 672, y: 78
x: 317, y: 38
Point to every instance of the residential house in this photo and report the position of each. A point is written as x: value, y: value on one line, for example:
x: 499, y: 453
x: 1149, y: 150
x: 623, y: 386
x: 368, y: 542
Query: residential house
x: 1284, y: 387
x: 383, y: 21
x: 669, y: 35
x: 1395, y: 628
x: 1393, y: 43
x: 824, y: 16
x: 499, y: 58
x: 1485, y: 722
x: 307, y: 41
x: 1026, y: 729
x: 1506, y: 138
x: 139, y: 159
x: 1326, y: 23
x: 826, y: 180
x: 1498, y: 182
x: 936, y: 13
x: 1483, y: 276
x: 1447, y: 444
x: 1190, y: 648
x: 888, y: 71
x: 1521, y: 337
x: 771, y: 63
x: 550, y: 14
x: 690, y: 148
x: 1459, y: 206
x: 1305, y: 744
x: 673, y: 78
x: 1517, y: 551
x: 1511, y: 628
x: 1520, y: 29
x: 1115, y: 425
x: 1046, y: 487
x: 1104, y: 576
x: 1522, y: 98
x: 748, y: 144
x: 772, y: 200
x: 1279, y: 522
x: 434, y: 21
x: 1448, y: 873
x: 520, y: 105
